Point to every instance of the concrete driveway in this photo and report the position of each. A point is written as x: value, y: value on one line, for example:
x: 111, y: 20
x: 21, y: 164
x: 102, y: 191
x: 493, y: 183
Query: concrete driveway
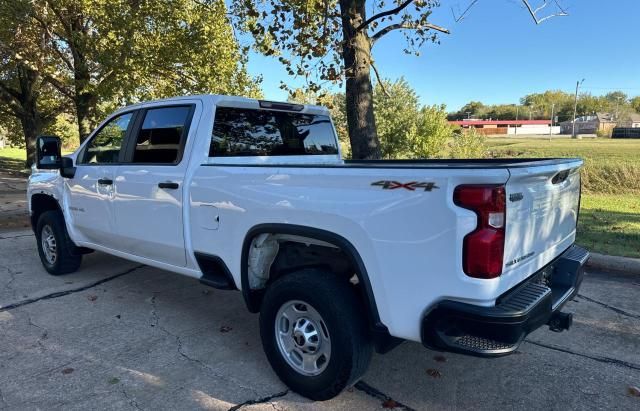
x: 117, y: 335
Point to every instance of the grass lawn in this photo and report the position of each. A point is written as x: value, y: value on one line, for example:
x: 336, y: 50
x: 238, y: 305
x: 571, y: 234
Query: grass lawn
x: 12, y: 159
x: 610, y: 212
x: 610, y: 224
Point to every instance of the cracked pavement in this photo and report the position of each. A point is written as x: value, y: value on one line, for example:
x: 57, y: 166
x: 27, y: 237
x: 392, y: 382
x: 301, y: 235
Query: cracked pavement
x: 117, y: 335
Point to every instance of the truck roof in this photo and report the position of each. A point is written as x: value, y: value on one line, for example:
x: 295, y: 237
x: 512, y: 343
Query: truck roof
x: 229, y: 101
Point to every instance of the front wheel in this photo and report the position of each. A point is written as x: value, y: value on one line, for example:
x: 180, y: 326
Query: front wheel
x: 57, y: 252
x: 314, y: 333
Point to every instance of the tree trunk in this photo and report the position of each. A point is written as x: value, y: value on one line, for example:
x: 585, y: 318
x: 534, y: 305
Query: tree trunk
x: 84, y: 108
x: 31, y: 127
x: 356, y: 52
x: 85, y: 98
x: 30, y: 118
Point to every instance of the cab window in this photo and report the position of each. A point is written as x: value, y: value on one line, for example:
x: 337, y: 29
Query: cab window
x: 106, y: 144
x: 162, y: 135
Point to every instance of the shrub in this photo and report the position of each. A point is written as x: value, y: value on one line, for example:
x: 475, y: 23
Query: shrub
x: 468, y: 144
x: 433, y: 132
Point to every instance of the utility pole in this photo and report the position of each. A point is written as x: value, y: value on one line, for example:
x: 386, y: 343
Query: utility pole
x: 516, y: 130
x: 575, y: 109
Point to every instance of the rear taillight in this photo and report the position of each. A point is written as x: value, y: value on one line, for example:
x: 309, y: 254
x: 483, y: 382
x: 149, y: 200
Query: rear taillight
x: 483, y: 248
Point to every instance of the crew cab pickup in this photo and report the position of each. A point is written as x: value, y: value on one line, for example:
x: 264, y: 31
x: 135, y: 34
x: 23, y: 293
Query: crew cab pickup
x: 339, y: 257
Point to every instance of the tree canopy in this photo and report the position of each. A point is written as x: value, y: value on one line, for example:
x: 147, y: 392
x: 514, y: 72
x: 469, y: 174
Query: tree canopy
x: 333, y: 41
x: 94, y: 55
x: 541, y: 105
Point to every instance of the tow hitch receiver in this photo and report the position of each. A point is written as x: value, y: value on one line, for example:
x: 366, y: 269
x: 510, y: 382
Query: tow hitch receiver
x: 560, y: 321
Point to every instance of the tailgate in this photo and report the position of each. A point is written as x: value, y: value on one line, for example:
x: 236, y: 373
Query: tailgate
x: 542, y: 213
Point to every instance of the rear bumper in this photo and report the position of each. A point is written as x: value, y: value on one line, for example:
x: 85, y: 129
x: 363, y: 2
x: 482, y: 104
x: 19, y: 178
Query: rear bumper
x: 499, y: 330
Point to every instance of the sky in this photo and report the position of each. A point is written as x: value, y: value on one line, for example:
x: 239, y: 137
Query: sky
x: 497, y: 54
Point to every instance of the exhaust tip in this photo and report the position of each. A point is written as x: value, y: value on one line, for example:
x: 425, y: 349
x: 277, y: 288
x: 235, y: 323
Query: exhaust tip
x: 560, y: 321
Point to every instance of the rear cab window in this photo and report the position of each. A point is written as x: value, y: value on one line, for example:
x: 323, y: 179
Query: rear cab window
x: 260, y: 132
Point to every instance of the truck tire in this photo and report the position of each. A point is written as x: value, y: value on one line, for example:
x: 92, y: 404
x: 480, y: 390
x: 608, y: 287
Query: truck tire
x: 314, y: 333
x: 56, y: 250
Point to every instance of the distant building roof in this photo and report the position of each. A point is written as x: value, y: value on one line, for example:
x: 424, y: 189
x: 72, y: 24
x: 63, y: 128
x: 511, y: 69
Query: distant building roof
x: 472, y: 122
x: 634, y: 117
x: 605, y: 117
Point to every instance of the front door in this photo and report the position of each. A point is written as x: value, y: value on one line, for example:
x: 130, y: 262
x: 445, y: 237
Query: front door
x: 91, y: 191
x: 149, y: 186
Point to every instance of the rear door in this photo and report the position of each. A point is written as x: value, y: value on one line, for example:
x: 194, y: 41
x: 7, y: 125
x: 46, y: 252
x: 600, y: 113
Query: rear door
x: 542, y: 213
x: 91, y: 190
x: 149, y: 186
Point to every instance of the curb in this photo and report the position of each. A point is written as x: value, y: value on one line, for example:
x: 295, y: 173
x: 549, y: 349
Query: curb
x: 608, y: 262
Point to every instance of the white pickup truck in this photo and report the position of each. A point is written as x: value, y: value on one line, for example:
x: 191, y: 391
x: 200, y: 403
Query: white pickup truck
x: 338, y: 257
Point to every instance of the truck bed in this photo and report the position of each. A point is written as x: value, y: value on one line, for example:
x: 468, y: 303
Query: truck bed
x: 482, y: 163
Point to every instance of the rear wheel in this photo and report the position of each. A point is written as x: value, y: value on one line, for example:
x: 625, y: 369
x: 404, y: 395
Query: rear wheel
x: 314, y: 334
x: 57, y: 252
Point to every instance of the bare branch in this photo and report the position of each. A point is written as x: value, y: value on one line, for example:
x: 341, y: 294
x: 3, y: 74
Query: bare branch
x: 464, y: 13
x: 54, y: 43
x: 407, y: 26
x: 383, y: 14
x: 534, y: 13
x: 382, y: 87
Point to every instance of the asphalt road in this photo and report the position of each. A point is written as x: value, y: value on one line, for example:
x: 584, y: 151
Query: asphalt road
x: 116, y: 335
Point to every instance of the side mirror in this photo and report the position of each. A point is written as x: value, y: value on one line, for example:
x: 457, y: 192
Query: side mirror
x: 67, y: 170
x: 48, y: 153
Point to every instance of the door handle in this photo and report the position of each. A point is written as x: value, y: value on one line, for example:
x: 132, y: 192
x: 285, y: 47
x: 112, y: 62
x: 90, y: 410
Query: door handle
x: 105, y: 181
x: 169, y: 185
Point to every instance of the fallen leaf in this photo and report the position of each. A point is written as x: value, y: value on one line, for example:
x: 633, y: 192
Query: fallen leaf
x: 634, y: 391
x: 92, y: 297
x: 206, y: 292
x: 118, y: 316
x: 390, y: 404
x: 440, y: 358
x: 434, y: 373
x: 67, y: 371
x: 225, y: 329
x: 114, y: 380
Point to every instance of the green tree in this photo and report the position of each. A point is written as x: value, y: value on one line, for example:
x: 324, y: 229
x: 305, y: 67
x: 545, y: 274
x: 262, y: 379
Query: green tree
x: 635, y: 103
x: 468, y: 144
x: 28, y: 98
x: 434, y: 131
x: 543, y: 103
x: 407, y: 130
x: 471, y: 109
x: 332, y: 40
x: 589, y: 104
x: 396, y: 108
x: 109, y: 52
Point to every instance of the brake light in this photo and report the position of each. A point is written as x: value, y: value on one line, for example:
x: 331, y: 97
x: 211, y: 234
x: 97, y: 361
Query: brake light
x: 483, y: 248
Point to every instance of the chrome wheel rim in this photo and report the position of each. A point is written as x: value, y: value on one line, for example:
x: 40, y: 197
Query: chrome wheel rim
x: 303, y: 337
x: 49, y: 247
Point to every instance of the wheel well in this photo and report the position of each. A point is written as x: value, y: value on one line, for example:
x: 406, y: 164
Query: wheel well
x: 273, y: 250
x: 41, y: 203
x: 285, y: 248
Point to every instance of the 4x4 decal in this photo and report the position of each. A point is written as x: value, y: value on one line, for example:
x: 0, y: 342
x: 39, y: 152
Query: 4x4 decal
x: 413, y: 185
